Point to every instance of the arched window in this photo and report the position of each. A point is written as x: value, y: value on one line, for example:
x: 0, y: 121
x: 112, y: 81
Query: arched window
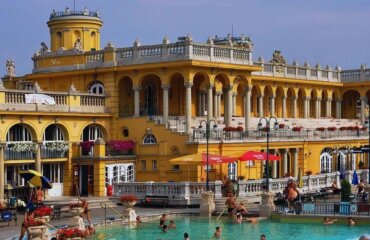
x: 91, y: 133
x: 53, y: 133
x: 150, y: 139
x: 18, y: 133
x: 96, y: 88
x: 325, y: 162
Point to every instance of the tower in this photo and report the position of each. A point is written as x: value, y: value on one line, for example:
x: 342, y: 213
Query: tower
x: 69, y: 28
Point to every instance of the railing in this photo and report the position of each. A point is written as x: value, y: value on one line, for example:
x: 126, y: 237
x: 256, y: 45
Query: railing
x: 356, y: 75
x: 11, y: 154
x: 165, y: 52
x: 301, y: 72
x: 88, y: 102
x: 68, y: 12
x: 249, y: 188
x: 111, y: 152
x: 51, y: 153
x: 199, y: 135
x: 326, y: 209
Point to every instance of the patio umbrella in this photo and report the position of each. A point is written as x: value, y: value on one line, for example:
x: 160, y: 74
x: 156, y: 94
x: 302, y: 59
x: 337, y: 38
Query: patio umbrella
x: 35, y: 178
x: 300, y: 179
x: 355, y: 178
x: 253, y: 155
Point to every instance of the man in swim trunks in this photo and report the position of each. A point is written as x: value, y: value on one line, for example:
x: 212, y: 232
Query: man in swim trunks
x: 231, y: 205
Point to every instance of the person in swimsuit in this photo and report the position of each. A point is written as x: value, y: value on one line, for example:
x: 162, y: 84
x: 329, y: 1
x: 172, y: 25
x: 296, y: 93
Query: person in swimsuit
x: 231, y: 205
x: 87, y: 211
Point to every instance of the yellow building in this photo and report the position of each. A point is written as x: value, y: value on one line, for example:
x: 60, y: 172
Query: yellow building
x: 74, y: 116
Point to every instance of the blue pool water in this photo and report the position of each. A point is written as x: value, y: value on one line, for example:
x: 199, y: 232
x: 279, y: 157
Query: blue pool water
x: 199, y: 228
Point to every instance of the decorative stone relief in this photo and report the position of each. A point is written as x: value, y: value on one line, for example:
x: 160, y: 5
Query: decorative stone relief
x: 278, y: 58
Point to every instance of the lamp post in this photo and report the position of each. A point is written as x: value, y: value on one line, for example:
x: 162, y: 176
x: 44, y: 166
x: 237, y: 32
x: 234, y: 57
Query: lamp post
x: 367, y: 123
x: 208, y: 123
x: 267, y: 127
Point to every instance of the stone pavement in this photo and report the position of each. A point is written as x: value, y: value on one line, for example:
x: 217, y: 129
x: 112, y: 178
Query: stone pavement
x: 98, y: 215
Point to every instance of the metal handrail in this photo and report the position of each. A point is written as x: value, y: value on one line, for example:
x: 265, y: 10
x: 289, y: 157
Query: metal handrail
x: 104, y: 206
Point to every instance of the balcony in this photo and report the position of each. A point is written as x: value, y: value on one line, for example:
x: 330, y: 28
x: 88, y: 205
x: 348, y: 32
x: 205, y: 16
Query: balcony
x: 114, y: 149
x: 15, y: 100
x: 12, y: 152
x: 27, y: 150
x: 199, y: 135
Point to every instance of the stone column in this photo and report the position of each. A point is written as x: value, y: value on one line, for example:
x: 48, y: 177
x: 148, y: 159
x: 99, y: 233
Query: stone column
x: 165, y: 88
x: 137, y: 101
x: 215, y: 110
x: 363, y: 105
x: 229, y: 106
x: 295, y: 112
x: 38, y: 158
x: 188, y: 106
x: 318, y: 108
x: 219, y: 104
x: 307, y: 107
x: 272, y: 106
x: 285, y: 160
x: 209, y: 103
x: 274, y: 169
x: 203, y: 103
x: 338, y: 106
x: 234, y: 103
x: 247, y: 107
x: 328, y: 107
x: 267, y: 205
x: 284, y: 107
x: 2, y: 172
x: 199, y: 105
x: 295, y: 162
x: 260, y: 107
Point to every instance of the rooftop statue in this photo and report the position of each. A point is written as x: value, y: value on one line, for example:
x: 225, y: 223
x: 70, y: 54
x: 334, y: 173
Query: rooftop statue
x: 44, y: 48
x: 277, y: 58
x: 10, y: 68
x: 78, y: 44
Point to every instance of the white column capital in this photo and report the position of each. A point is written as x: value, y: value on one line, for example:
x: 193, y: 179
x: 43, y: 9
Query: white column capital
x: 136, y: 88
x: 166, y: 86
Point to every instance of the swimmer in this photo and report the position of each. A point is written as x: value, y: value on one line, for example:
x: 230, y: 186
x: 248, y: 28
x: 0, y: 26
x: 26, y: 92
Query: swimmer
x: 327, y: 221
x: 172, y: 225
x: 351, y: 222
x: 217, y: 233
x: 164, y: 228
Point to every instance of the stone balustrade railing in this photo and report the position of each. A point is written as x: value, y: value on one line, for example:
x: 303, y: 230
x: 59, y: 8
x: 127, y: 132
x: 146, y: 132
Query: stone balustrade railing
x: 356, y: 75
x: 249, y: 188
x: 110, y: 56
x: 11, y: 99
x: 300, y: 72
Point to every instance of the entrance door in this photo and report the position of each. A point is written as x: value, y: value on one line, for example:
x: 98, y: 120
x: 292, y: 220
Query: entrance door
x: 84, y: 187
x: 150, y: 101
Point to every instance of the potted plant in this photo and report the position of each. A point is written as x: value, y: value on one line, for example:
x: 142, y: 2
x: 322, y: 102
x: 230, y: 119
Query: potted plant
x: 128, y: 200
x: 363, y: 128
x: 297, y: 129
x: 25, y: 147
x: 43, y: 213
x: 72, y: 233
x: 345, y: 196
x: 121, y: 146
x: 239, y: 129
x: 86, y: 147
x: 320, y: 129
x: 308, y: 172
x: 60, y: 146
x: 332, y: 129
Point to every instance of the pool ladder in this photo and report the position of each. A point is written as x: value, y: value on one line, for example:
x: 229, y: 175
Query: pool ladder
x: 105, y: 206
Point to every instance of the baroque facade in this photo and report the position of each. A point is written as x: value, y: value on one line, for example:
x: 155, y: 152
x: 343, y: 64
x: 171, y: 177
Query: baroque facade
x: 157, y: 96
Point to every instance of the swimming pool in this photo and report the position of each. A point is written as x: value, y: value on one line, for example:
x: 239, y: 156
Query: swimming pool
x: 200, y: 228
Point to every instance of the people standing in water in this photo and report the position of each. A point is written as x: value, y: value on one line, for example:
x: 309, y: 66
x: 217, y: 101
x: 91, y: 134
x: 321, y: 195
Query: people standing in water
x: 262, y: 237
x: 162, y: 220
x: 172, y: 225
x: 328, y: 221
x: 186, y: 236
x: 351, y: 222
x: 217, y: 233
x: 231, y: 205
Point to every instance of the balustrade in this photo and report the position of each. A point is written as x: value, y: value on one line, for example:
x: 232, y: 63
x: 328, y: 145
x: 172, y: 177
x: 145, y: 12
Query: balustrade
x: 92, y: 100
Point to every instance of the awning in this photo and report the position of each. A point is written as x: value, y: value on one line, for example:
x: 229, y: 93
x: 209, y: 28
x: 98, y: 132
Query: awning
x: 201, y: 158
x: 253, y: 155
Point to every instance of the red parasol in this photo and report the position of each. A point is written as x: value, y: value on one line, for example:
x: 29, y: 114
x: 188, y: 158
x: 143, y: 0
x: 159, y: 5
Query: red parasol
x: 216, y: 159
x: 253, y: 155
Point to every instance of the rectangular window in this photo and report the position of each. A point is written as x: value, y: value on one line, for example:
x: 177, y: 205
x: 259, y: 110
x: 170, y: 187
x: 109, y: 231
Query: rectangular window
x: 250, y: 164
x: 143, y: 165
x: 175, y: 167
x: 154, y: 165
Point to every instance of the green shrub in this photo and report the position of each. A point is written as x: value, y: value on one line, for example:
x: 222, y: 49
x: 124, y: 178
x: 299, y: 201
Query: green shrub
x: 345, y: 191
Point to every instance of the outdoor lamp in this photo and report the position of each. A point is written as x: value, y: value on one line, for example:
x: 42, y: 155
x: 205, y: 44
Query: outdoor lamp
x: 276, y: 125
x: 259, y: 126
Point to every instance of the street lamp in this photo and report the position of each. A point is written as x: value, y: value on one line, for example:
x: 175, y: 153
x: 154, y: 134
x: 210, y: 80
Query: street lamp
x: 367, y: 123
x: 267, y: 128
x: 208, y: 123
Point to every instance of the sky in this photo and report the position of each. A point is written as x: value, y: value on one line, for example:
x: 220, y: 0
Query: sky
x: 334, y: 32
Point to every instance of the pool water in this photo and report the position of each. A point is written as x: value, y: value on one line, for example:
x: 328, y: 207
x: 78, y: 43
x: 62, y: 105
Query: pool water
x: 200, y: 228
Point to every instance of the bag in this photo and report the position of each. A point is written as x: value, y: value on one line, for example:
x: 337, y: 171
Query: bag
x: 6, y: 216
